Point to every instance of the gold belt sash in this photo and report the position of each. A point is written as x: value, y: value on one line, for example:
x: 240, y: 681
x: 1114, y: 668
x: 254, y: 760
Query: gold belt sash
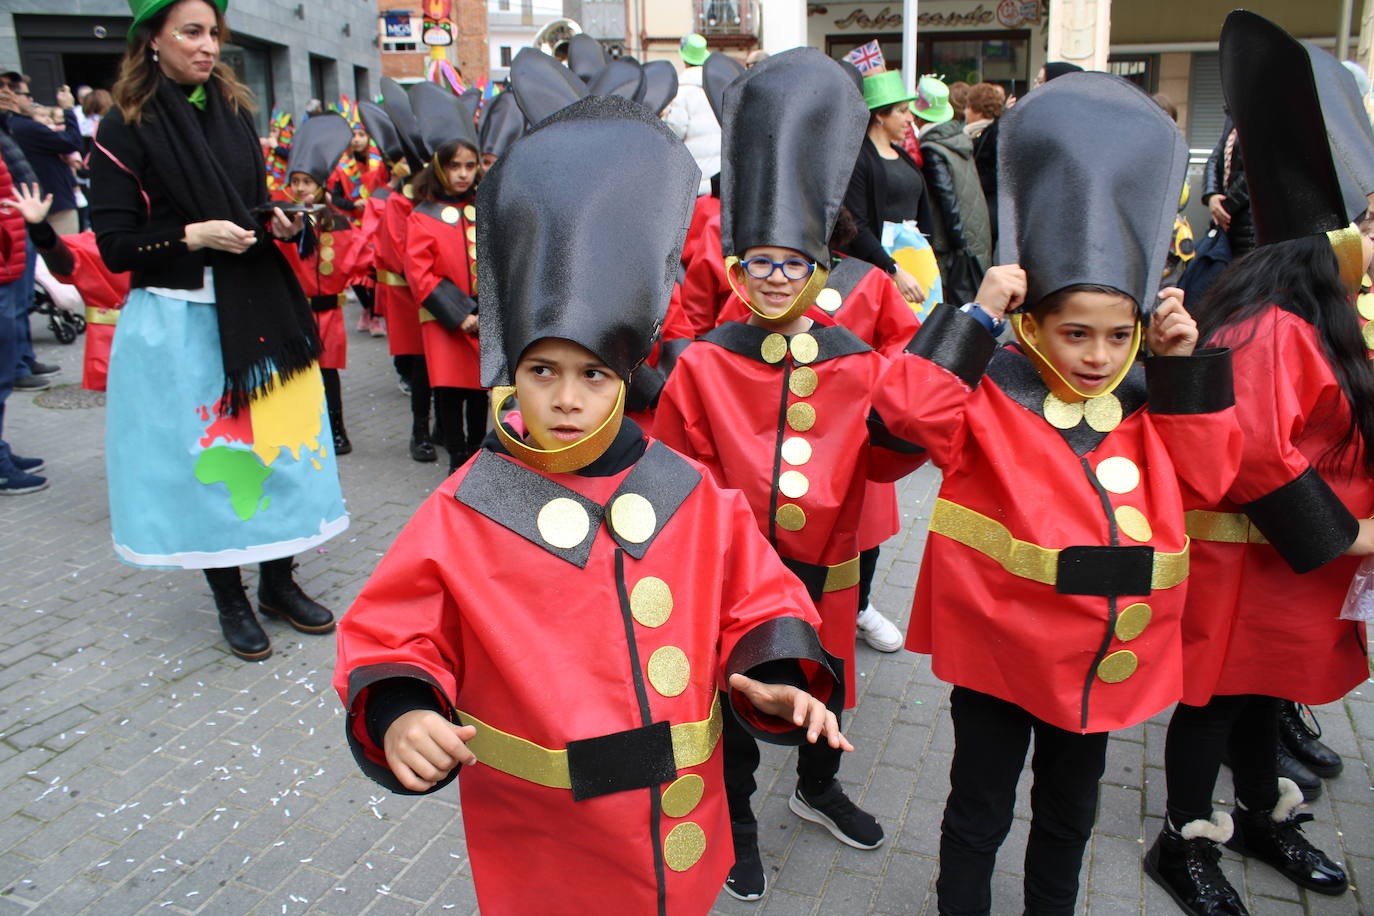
x: 842, y: 575
x: 1031, y: 561
x: 1222, y: 527
x: 693, y: 744
x: 425, y: 315
x: 101, y: 316
x: 391, y: 279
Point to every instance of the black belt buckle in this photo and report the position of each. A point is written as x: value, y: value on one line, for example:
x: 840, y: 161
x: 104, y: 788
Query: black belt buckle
x: 1105, y: 571
x: 634, y: 759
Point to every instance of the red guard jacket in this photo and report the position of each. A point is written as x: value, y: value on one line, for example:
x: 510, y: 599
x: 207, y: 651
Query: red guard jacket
x: 1056, y: 567
x: 104, y: 292
x: 441, y: 262
x: 402, y: 313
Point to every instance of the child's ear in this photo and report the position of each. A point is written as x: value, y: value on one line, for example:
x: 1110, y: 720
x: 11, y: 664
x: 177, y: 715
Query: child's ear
x: 1030, y: 330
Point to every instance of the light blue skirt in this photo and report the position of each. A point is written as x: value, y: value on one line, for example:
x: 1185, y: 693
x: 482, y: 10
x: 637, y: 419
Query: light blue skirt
x: 189, y: 488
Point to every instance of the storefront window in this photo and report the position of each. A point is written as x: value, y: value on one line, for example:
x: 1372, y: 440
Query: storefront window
x: 254, y: 67
x: 993, y: 57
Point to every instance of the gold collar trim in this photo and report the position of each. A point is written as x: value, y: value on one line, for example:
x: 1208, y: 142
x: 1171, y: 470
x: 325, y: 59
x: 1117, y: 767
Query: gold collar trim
x: 796, y: 308
x: 1350, y: 256
x: 559, y: 460
x: 1061, y: 387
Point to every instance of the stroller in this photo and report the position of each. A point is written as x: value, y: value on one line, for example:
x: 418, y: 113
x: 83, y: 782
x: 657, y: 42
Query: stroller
x: 60, y: 302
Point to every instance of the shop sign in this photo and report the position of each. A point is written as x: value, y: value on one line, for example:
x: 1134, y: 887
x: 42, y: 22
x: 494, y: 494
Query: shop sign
x: 397, y: 24
x: 1009, y: 14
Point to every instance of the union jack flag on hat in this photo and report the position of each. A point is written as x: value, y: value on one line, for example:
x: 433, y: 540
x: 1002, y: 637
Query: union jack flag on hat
x: 867, y: 58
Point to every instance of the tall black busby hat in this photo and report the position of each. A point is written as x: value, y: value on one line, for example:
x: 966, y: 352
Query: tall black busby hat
x: 542, y: 85
x: 1080, y: 204
x: 622, y: 77
x: 442, y: 117
x: 719, y: 71
x: 660, y: 85
x: 502, y: 122
x: 378, y: 125
x: 572, y: 250
x: 586, y: 57
x: 318, y: 145
x: 1347, y: 128
x: 397, y: 105
x: 791, y: 133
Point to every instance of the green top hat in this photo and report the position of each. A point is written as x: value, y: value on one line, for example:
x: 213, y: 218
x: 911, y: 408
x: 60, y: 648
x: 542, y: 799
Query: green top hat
x: 885, y: 89
x: 932, y: 101
x: 144, y: 10
x: 693, y: 50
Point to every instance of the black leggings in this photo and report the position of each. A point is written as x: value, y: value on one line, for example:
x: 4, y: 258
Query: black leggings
x: 1249, y: 726
x: 453, y: 406
x: 868, y: 566
x: 333, y: 396
x: 991, y: 737
x: 817, y: 765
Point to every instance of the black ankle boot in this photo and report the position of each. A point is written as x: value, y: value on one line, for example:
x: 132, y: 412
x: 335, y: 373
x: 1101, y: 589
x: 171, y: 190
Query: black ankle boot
x: 280, y: 596
x: 1301, y: 741
x: 1275, y: 837
x: 421, y: 445
x: 341, y: 444
x: 747, y: 879
x: 1289, y: 767
x: 1186, y: 866
x: 241, y: 629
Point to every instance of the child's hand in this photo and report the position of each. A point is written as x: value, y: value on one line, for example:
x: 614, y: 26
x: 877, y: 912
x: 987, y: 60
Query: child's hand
x: 470, y: 325
x: 1173, y: 332
x: 1003, y: 289
x: 26, y: 200
x: 422, y: 747
x: 787, y: 702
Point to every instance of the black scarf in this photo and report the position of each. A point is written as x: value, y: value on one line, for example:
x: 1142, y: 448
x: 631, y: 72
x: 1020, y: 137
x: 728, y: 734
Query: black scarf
x: 210, y: 165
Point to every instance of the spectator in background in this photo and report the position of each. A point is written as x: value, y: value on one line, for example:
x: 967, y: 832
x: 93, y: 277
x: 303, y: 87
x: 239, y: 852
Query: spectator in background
x: 91, y: 109
x: 689, y: 115
x: 958, y: 99
x: 983, y: 106
x: 755, y: 57
x: 47, y: 149
x: 1226, y: 192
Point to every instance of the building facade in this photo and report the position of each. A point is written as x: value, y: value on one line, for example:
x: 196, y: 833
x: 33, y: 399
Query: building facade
x: 405, y: 57
x: 287, y: 51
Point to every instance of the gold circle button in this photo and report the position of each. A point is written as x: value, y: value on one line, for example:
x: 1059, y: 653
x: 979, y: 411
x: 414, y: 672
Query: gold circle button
x: 801, y: 417
x: 829, y: 299
x: 1133, y: 523
x: 326, y: 268
x: 793, y: 484
x: 470, y: 212
x: 1368, y: 332
x: 796, y: 451
x: 563, y: 523
x: 684, y: 846
x: 651, y: 601
x: 1103, y: 412
x: 803, y: 381
x: 680, y: 798
x: 804, y: 347
x: 326, y: 252
x: 669, y: 670
x: 1118, y: 666
x: 1061, y: 414
x: 1132, y: 621
x: 472, y: 233
x: 632, y: 517
x: 1364, y: 304
x: 472, y: 251
x: 326, y: 238
x: 409, y: 192
x: 773, y: 348
x: 449, y: 215
x: 790, y: 517
x: 1118, y: 474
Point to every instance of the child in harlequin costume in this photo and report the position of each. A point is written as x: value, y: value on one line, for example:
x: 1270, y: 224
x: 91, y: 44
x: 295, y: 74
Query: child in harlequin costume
x: 441, y: 268
x: 360, y: 171
x: 75, y: 259
x: 321, y: 257
x: 400, y: 308
x: 777, y: 407
x: 364, y: 266
x: 1273, y: 559
x: 1051, y: 592
x: 578, y: 668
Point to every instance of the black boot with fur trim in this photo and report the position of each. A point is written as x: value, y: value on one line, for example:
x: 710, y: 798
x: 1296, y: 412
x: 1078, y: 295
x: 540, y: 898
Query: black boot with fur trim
x: 1186, y: 864
x: 1275, y: 837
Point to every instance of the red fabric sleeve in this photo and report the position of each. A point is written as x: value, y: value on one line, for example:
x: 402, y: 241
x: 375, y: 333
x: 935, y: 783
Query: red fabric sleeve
x: 926, y: 404
x: 680, y: 420
x: 421, y: 257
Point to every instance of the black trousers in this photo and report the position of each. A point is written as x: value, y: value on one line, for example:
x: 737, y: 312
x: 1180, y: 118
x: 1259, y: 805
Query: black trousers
x: 333, y: 397
x: 817, y: 765
x: 991, y: 737
x: 454, y: 406
x: 868, y: 567
x: 1249, y: 726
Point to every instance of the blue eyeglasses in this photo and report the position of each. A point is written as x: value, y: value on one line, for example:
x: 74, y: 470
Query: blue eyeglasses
x: 761, y: 268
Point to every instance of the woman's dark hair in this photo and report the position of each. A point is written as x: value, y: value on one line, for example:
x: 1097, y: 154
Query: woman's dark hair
x: 139, y: 73
x: 428, y: 186
x: 882, y: 111
x: 1052, y: 303
x: 1301, y: 276
x: 846, y: 228
x: 97, y: 102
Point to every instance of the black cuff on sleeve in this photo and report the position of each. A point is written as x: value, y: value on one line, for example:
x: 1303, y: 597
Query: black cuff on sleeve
x: 392, y: 698
x: 789, y: 638
x: 1305, y: 521
x: 955, y: 341
x: 449, y: 305
x: 365, y: 679
x: 882, y: 437
x: 1201, y: 383
x: 43, y: 235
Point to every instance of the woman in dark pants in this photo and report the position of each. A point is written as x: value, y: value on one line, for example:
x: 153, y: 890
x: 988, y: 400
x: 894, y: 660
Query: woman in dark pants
x: 218, y: 447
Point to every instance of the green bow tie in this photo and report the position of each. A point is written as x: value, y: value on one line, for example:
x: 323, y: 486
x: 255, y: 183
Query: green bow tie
x: 197, y: 97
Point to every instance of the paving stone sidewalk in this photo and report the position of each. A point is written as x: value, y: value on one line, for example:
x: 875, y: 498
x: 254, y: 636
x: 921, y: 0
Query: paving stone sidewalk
x: 145, y: 769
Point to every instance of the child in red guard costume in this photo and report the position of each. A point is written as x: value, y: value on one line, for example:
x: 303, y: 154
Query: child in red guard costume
x: 574, y: 675
x: 321, y: 258
x: 778, y: 407
x: 441, y: 268
x: 1051, y: 591
x: 1274, y: 558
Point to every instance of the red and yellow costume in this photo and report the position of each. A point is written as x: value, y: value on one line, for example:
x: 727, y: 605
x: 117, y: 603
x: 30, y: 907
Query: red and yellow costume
x: 324, y: 275
x: 103, y: 291
x: 397, y: 301
x: 441, y: 247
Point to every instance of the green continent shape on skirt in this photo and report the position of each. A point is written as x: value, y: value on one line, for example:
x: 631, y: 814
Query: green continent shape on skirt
x: 239, y: 470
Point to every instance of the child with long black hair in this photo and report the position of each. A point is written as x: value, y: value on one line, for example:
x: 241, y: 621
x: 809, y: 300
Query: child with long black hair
x: 1271, y: 563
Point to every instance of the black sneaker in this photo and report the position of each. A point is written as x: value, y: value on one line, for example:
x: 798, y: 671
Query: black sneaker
x: 27, y: 465
x: 38, y: 368
x: 747, y: 880
x: 31, y: 383
x: 833, y: 810
x: 14, y: 482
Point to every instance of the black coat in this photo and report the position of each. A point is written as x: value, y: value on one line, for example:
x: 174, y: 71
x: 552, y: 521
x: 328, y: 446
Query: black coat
x: 865, y: 197
x: 1241, y: 235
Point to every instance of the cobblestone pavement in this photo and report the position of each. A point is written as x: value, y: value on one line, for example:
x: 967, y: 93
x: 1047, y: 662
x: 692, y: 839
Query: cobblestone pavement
x: 145, y: 769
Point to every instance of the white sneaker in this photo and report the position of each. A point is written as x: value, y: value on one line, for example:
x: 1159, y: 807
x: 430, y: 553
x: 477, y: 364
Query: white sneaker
x: 879, y: 632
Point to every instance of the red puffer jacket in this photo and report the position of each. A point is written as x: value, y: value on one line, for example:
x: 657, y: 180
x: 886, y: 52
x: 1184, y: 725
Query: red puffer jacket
x: 13, y: 236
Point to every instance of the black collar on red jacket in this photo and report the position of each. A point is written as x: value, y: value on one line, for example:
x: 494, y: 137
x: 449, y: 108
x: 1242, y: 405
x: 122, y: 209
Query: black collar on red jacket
x: 747, y: 340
